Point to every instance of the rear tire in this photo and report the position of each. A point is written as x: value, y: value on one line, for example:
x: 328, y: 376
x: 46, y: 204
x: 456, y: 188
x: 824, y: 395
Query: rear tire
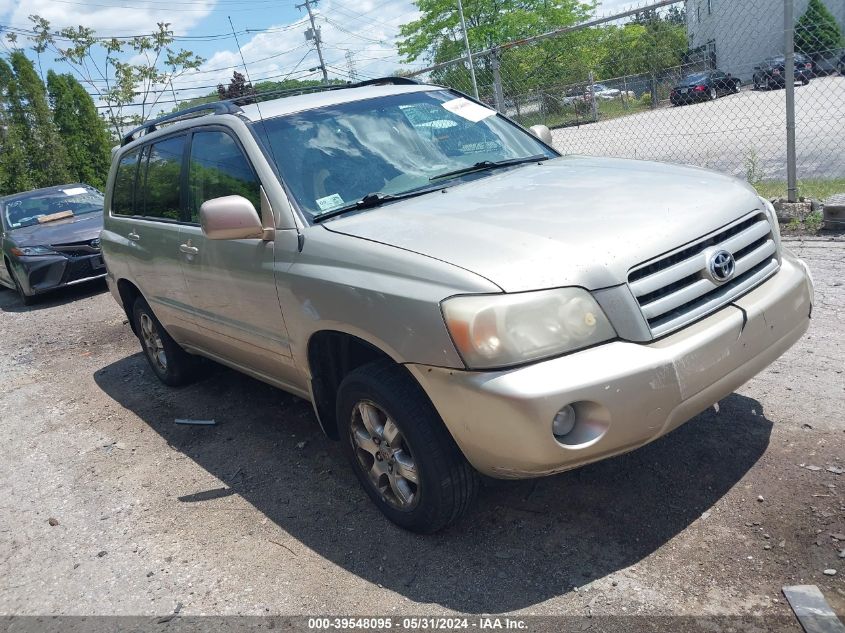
x: 735, y: 87
x: 712, y: 94
x: 400, y: 450
x: 173, y: 365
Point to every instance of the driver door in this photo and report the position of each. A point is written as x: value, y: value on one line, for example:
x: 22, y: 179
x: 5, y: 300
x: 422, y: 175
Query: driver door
x: 231, y: 282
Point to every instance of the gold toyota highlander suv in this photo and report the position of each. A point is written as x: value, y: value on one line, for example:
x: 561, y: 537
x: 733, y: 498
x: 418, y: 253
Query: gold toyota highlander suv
x: 451, y: 294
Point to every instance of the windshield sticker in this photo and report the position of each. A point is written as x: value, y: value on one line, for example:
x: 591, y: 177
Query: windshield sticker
x: 467, y: 109
x: 75, y: 191
x: 329, y: 202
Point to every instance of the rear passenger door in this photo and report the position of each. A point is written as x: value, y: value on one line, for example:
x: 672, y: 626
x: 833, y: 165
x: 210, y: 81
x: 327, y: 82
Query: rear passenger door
x: 231, y: 282
x: 146, y: 208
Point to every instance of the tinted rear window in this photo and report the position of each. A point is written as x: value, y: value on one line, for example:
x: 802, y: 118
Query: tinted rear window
x: 123, y: 194
x: 162, y: 189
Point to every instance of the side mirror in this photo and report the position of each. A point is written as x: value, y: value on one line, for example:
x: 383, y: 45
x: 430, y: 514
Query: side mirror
x: 230, y: 218
x: 542, y: 132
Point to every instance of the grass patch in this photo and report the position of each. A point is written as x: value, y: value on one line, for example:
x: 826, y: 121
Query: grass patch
x: 818, y: 189
x: 582, y: 114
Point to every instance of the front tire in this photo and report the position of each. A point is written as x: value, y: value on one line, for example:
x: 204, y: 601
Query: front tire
x: 400, y: 450
x: 170, y: 363
x: 26, y: 299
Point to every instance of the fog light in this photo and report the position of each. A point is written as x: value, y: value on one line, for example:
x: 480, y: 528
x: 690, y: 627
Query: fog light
x: 564, y: 421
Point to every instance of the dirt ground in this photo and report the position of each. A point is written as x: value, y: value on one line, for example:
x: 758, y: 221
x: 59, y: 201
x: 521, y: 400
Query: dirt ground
x: 259, y: 514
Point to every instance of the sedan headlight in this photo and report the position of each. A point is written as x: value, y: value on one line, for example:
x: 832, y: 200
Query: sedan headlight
x: 30, y: 251
x: 510, y: 329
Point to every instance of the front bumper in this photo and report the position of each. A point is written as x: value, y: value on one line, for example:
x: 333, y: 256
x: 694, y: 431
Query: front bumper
x: 48, y: 272
x: 678, y: 98
x: 628, y: 394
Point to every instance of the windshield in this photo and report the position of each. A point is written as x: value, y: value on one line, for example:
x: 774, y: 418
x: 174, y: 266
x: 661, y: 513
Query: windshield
x: 32, y: 208
x: 695, y: 79
x: 336, y: 155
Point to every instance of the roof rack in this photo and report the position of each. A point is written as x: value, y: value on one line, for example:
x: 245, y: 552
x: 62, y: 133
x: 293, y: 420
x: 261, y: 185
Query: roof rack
x: 214, y: 107
x: 288, y: 92
x: 233, y: 105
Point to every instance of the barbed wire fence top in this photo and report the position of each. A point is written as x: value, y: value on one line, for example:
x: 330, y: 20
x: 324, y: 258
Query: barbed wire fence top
x: 698, y: 82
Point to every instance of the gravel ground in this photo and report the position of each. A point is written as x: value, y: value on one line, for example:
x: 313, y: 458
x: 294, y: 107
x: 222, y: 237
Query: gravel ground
x: 725, y: 134
x: 111, y: 508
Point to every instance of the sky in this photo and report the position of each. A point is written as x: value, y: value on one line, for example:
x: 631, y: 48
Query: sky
x: 270, y: 33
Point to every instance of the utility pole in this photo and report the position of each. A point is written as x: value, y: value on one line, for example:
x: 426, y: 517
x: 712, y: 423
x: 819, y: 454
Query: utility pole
x: 350, y: 65
x: 314, y: 33
x: 466, y: 44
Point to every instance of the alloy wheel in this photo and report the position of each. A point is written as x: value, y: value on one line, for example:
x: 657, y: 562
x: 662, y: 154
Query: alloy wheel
x: 152, y: 342
x: 384, y: 455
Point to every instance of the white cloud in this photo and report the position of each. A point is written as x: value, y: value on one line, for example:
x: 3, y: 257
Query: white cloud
x: 366, y: 28
x: 141, y: 18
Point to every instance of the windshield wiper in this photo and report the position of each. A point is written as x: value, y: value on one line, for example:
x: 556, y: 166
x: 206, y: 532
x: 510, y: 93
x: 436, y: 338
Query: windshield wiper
x: 490, y: 164
x: 371, y: 200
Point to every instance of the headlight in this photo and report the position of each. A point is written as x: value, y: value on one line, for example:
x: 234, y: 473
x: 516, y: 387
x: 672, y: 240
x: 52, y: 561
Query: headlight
x: 30, y: 251
x: 773, y: 220
x: 510, y: 329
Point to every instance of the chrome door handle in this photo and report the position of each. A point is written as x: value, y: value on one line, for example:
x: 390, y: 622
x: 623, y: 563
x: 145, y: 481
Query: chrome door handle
x: 133, y: 236
x: 188, y: 250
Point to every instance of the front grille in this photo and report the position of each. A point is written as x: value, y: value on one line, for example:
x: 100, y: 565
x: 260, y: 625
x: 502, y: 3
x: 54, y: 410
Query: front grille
x: 77, y: 270
x: 83, y: 269
x: 77, y: 249
x: 675, y: 289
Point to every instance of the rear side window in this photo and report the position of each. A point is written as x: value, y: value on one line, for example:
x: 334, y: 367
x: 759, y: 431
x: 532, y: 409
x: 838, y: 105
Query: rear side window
x: 123, y: 194
x: 218, y: 168
x: 162, y: 188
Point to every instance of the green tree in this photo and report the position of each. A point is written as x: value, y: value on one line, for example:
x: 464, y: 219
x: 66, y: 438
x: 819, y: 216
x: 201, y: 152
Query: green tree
x: 437, y: 34
x: 82, y: 130
x: 14, y: 166
x: 31, y: 113
x: 647, y: 46
x: 817, y: 32
x: 99, y: 63
x: 238, y: 87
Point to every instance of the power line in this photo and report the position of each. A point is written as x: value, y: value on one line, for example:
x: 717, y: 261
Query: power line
x: 203, y: 9
x: 186, y: 38
x: 136, y: 105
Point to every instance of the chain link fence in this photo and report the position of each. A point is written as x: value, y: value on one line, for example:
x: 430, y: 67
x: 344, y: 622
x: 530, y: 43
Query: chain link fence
x: 701, y: 82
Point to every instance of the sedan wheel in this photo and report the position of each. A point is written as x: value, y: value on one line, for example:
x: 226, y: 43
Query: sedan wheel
x: 26, y: 299
x: 712, y: 94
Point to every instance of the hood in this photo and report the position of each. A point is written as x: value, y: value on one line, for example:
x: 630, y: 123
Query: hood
x: 81, y: 228
x: 568, y: 221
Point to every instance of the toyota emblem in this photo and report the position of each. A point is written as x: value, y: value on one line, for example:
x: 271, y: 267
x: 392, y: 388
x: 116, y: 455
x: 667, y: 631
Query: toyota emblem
x: 721, y: 266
